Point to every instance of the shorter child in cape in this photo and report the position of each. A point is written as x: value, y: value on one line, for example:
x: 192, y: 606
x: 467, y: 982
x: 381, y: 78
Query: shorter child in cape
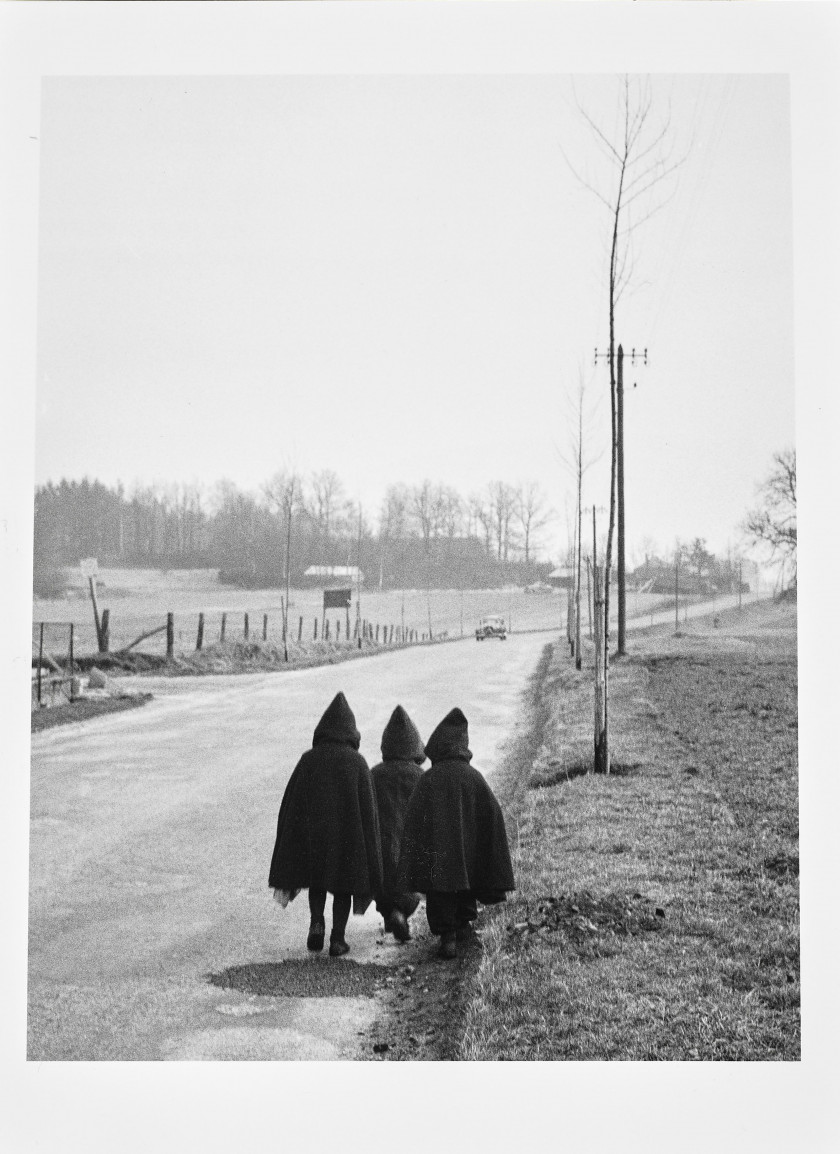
x: 394, y: 781
x: 454, y: 846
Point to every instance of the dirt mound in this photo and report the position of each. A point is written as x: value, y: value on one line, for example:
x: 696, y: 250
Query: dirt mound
x: 588, y: 924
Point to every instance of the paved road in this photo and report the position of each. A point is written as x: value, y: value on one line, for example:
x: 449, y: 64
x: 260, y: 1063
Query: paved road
x: 151, y: 835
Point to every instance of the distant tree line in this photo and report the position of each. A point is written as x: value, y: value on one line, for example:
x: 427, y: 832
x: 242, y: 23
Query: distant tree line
x: 422, y: 535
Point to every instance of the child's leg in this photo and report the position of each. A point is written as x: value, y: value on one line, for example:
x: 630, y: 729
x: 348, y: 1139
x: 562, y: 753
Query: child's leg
x: 440, y: 912
x: 317, y: 901
x: 465, y: 913
x: 466, y: 910
x: 385, y: 905
x: 340, y: 915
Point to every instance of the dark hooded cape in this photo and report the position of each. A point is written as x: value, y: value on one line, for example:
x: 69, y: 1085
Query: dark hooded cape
x: 454, y: 837
x: 394, y: 781
x: 327, y: 828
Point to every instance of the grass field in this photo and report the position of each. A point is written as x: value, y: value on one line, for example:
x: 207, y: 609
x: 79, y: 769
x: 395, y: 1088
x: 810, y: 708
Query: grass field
x: 657, y: 915
x: 139, y: 599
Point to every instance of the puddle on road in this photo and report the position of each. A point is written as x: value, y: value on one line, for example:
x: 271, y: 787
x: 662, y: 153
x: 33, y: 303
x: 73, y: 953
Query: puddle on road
x: 320, y: 977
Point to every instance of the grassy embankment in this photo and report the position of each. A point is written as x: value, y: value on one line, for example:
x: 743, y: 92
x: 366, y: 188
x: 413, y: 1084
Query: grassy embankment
x: 658, y: 909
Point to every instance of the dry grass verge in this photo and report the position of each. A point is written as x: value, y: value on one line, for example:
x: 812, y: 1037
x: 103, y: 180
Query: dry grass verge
x: 243, y: 657
x: 658, y: 910
x: 83, y: 709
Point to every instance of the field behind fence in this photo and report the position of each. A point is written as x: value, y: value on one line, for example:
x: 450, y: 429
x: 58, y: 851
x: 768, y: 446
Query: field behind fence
x: 138, y: 602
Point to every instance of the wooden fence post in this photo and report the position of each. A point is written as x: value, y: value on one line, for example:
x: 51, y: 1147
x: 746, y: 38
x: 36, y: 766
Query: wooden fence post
x: 71, y: 661
x: 105, y: 631
x: 377, y: 633
x: 316, y: 629
x: 224, y: 623
x: 300, y: 628
x: 199, y: 641
x: 170, y: 635
x: 326, y: 628
x: 265, y: 627
x: 40, y: 658
x: 245, y: 630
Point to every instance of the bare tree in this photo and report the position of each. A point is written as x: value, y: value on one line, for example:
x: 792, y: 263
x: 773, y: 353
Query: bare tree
x: 773, y: 523
x: 451, y: 510
x: 503, y: 503
x: 326, y: 505
x: 482, y: 511
x: 578, y: 461
x: 393, y: 516
x: 425, y: 512
x: 284, y: 493
x: 639, y: 158
x: 530, y: 511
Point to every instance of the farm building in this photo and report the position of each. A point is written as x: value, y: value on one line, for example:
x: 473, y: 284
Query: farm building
x: 562, y: 578
x: 330, y: 574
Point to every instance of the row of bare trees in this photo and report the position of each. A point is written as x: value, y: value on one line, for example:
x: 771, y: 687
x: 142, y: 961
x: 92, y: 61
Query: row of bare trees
x: 289, y: 523
x: 508, y: 518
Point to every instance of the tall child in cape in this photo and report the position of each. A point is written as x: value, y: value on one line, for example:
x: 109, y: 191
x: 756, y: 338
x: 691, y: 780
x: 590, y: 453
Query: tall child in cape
x: 327, y: 830
x: 394, y: 781
x: 454, y: 847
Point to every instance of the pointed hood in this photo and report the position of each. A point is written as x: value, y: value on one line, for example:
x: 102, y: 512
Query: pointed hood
x: 401, y: 739
x: 450, y: 739
x: 338, y: 724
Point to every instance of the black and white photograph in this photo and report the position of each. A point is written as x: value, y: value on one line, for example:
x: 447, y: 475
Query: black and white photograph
x: 403, y: 517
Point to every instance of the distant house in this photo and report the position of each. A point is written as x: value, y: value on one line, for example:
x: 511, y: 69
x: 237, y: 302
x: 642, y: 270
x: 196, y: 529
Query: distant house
x: 659, y: 577
x: 330, y: 574
x: 562, y: 578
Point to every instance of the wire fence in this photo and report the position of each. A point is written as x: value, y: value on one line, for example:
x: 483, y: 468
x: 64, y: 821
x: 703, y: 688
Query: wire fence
x: 61, y: 648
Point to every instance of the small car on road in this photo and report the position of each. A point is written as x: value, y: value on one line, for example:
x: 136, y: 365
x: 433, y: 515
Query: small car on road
x: 492, y: 626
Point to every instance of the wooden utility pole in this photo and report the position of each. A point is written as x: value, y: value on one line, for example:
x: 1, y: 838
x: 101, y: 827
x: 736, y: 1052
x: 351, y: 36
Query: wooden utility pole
x: 740, y: 580
x: 359, y: 581
x: 72, y: 696
x: 621, y: 651
x: 619, y: 486
x: 578, y: 551
x: 600, y: 638
x: 40, y: 659
x: 589, y: 594
x: 290, y: 504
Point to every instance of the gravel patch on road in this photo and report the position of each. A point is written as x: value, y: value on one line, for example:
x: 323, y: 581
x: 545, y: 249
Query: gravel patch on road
x: 305, y: 978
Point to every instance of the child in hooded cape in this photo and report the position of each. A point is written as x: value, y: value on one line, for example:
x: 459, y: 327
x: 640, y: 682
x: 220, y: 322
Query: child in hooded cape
x: 394, y: 780
x: 454, y: 847
x: 327, y: 829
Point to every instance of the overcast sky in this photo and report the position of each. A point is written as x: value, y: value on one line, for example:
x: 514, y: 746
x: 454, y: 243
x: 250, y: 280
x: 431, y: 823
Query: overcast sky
x: 400, y: 277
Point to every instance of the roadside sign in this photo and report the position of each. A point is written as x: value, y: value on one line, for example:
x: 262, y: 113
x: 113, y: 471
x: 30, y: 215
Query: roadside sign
x: 337, y: 598
x: 89, y: 566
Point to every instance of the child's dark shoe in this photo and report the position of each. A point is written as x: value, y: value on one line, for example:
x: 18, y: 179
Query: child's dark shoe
x: 463, y: 931
x: 448, y: 950
x: 397, y: 924
x: 338, y: 948
x: 315, y: 941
